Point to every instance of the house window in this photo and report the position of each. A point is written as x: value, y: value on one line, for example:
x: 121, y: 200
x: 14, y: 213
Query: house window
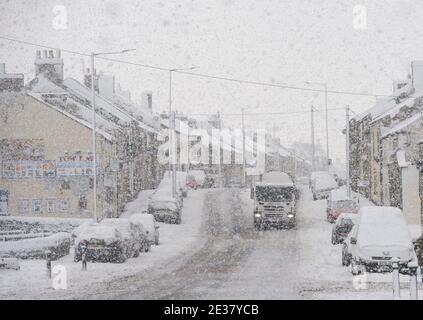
x: 63, y: 205
x: 50, y: 205
x: 37, y: 206
x: 23, y: 206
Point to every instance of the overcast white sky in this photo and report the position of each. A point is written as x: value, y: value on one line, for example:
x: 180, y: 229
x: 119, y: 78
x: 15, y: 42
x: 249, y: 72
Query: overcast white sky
x: 271, y: 40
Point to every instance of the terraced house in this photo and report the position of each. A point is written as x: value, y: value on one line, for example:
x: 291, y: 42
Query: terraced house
x: 46, y: 144
x: 384, y: 147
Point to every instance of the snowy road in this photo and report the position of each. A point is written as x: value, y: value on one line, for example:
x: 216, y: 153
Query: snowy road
x: 236, y: 261
x: 217, y: 254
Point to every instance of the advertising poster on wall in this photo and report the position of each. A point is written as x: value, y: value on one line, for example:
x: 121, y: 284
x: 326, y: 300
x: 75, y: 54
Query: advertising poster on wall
x: 28, y: 169
x: 75, y: 168
x: 22, y: 149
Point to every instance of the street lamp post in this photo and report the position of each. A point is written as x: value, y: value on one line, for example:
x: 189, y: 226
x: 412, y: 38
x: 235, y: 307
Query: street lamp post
x: 172, y: 147
x: 94, y: 162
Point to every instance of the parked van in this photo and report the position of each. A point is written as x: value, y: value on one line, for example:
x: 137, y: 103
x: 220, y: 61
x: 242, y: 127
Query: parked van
x: 322, y: 183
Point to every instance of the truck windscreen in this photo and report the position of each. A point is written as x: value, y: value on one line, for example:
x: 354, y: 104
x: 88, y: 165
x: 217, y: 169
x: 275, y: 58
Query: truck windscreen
x: 274, y: 194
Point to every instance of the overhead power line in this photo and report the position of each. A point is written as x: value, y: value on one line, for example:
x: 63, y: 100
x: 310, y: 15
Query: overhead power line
x: 201, y: 75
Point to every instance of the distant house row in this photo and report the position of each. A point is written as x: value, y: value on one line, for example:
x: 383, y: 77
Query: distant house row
x: 385, y: 140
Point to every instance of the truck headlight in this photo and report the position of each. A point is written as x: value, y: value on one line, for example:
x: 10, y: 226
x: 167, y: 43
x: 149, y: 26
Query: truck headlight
x: 290, y: 215
x: 257, y: 215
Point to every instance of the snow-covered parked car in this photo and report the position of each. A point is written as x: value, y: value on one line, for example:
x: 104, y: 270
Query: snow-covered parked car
x: 134, y: 234
x: 101, y: 243
x: 342, y: 227
x: 338, y: 203
x: 78, y: 230
x: 322, y: 184
x: 150, y: 224
x: 163, y: 205
x: 380, y: 237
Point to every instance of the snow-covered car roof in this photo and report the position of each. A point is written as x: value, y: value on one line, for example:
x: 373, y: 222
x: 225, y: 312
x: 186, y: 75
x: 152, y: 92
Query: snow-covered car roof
x: 144, y: 219
x: 380, y: 225
x: 121, y: 224
x: 325, y: 181
x: 106, y: 233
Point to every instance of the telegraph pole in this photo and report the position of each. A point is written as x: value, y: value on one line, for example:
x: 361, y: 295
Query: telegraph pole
x: 94, y: 139
x: 313, y: 160
x: 243, y: 149
x: 347, y: 147
x: 173, y: 157
x: 327, y: 124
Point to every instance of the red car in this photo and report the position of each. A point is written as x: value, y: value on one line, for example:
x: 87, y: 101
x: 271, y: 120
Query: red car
x: 337, y: 204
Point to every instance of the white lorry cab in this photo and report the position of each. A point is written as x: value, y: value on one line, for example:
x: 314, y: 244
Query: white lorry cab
x: 275, y: 198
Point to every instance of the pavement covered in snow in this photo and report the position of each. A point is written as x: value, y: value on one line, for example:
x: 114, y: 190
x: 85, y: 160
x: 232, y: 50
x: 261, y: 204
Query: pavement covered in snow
x: 217, y: 254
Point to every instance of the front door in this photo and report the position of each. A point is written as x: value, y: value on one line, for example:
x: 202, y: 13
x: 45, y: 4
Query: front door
x: 4, y: 199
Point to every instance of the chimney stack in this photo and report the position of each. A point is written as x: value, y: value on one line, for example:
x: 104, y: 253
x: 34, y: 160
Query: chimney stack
x: 49, y: 64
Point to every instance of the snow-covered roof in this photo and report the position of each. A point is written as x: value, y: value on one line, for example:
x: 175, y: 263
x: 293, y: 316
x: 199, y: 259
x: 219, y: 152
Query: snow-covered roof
x: 149, y: 120
x: 80, y: 120
x: 395, y: 109
x: 41, y: 84
x: 81, y: 90
x: 383, y: 105
x: 401, y: 125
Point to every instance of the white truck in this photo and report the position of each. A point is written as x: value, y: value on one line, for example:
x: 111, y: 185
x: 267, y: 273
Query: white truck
x: 275, y: 198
